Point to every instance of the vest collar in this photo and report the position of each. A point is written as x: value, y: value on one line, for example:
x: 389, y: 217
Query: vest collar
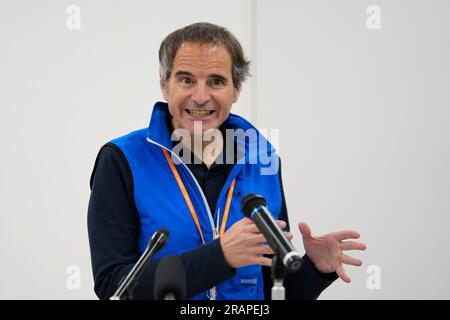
x: 160, y: 132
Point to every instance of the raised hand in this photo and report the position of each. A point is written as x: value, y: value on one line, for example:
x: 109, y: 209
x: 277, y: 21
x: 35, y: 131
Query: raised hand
x: 327, y: 251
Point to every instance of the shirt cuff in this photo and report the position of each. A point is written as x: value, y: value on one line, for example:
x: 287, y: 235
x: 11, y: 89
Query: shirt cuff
x: 222, y: 269
x: 332, y: 276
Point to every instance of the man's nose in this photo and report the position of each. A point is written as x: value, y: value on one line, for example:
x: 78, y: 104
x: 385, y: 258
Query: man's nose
x: 201, y: 93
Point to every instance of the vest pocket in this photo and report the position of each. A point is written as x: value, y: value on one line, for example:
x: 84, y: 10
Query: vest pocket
x: 248, y: 281
x: 248, y: 275
x: 245, y: 285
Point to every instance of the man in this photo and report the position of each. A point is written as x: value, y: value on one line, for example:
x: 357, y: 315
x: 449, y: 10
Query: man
x: 161, y: 177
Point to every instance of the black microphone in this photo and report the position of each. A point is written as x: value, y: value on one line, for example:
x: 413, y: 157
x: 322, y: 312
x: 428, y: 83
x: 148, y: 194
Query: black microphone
x: 170, y: 279
x: 255, y: 207
x: 156, y: 242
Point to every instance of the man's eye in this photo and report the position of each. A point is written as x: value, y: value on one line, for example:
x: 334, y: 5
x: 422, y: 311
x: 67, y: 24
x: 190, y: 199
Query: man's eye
x: 185, y: 80
x: 217, y: 82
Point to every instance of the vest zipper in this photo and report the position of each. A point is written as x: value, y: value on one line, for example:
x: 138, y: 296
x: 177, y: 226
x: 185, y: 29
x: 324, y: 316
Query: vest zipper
x: 214, y: 229
x: 213, y: 292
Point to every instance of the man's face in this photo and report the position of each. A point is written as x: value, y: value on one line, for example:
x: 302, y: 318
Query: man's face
x: 200, y: 87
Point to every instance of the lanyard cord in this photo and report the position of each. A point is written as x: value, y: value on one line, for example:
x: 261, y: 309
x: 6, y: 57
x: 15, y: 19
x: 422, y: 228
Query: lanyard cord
x: 188, y: 201
x: 227, y: 208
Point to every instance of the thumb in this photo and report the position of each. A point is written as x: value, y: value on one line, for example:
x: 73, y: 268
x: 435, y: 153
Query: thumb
x: 304, y: 230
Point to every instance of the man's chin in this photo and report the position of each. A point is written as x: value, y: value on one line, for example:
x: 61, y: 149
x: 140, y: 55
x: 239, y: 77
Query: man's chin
x: 197, y: 127
x: 202, y: 133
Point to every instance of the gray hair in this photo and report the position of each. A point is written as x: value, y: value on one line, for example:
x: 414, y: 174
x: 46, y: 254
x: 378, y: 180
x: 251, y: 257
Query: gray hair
x: 204, y: 33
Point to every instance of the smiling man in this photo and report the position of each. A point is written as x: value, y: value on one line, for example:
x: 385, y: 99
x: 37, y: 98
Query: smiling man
x: 201, y: 88
x: 172, y: 175
x: 201, y: 92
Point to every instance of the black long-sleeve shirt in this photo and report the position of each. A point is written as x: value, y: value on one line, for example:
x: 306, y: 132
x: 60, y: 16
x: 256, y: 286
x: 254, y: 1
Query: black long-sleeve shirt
x: 114, y: 227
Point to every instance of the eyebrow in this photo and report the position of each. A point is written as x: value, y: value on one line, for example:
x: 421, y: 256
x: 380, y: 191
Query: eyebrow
x: 183, y: 73
x: 187, y: 73
x: 220, y: 77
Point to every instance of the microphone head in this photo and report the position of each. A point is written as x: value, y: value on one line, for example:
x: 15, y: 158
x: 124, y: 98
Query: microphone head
x: 159, y: 238
x: 250, y: 202
x: 170, y: 279
x: 294, y: 263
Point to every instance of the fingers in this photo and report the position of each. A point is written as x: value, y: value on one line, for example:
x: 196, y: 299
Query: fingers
x: 343, y: 275
x: 258, y: 238
x: 264, y: 249
x: 254, y: 229
x: 289, y: 235
x: 347, y: 234
x: 353, y: 245
x: 264, y: 261
x: 351, y: 261
x: 246, y: 221
x: 305, y: 230
x: 282, y: 224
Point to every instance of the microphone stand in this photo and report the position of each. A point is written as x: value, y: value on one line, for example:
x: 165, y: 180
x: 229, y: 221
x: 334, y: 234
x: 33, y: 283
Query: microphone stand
x: 126, y: 293
x: 278, y: 272
x: 129, y: 282
x: 127, y: 285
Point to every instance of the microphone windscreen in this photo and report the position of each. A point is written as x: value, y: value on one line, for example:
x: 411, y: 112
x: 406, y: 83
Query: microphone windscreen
x: 170, y: 279
x: 250, y: 202
x: 159, y: 238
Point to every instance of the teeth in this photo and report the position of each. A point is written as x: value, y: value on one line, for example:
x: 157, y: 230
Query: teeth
x: 200, y: 114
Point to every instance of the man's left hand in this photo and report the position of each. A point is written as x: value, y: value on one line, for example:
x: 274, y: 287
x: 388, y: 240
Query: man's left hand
x: 327, y: 251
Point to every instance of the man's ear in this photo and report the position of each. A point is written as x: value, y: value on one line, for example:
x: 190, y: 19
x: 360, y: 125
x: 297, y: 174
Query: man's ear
x: 163, y: 89
x: 236, y: 93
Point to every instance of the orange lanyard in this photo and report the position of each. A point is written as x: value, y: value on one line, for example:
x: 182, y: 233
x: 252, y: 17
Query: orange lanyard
x: 189, y: 202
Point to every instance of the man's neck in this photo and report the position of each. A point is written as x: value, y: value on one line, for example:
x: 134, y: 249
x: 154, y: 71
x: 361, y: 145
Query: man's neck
x: 207, y: 149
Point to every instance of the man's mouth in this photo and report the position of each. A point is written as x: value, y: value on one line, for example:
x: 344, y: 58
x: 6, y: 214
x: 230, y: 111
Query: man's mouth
x: 199, y: 114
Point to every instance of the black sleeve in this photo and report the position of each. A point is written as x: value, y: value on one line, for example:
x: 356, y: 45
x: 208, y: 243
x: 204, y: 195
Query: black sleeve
x: 306, y: 284
x: 114, y: 228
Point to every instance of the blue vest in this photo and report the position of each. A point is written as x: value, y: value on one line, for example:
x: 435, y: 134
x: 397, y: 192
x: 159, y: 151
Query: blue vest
x: 160, y: 203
